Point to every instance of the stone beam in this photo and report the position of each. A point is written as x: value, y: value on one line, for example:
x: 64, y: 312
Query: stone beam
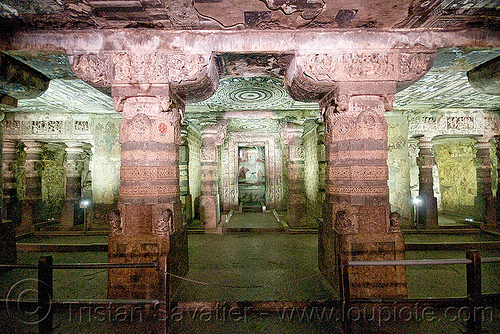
x: 485, y: 78
x: 324, y: 41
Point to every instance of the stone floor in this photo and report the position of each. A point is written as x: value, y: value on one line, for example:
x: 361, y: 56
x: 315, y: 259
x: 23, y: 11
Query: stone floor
x: 251, y: 268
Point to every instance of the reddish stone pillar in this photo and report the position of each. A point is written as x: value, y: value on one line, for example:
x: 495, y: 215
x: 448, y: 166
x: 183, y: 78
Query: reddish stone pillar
x: 358, y: 225
x: 71, y: 215
x: 427, y: 209
x: 33, y: 196
x: 484, y: 203
x: 212, y: 136
x: 149, y: 223
x: 297, y: 208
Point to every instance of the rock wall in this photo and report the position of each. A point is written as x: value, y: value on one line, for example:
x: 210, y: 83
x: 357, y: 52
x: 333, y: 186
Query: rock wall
x: 53, y: 182
x: 457, y: 175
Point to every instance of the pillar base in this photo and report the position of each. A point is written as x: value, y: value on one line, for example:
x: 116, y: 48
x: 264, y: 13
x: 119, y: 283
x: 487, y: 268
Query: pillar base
x: 428, y: 212
x: 365, y: 281
x: 8, y: 251
x: 144, y: 283
x: 210, y: 212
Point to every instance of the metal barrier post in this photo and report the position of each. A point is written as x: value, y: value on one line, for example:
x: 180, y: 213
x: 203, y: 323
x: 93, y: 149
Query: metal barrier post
x: 474, y: 292
x: 165, y: 291
x: 345, y: 296
x: 45, y: 293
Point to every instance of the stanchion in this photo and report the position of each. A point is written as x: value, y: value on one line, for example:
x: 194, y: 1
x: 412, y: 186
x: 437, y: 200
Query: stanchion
x: 165, y: 292
x: 474, y: 292
x: 45, y: 293
x: 345, y: 296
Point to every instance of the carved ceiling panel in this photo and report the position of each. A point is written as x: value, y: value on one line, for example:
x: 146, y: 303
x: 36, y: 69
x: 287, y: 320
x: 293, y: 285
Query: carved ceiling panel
x: 254, y: 93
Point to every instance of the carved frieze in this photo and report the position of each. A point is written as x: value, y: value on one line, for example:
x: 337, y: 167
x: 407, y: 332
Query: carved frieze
x: 106, y: 69
x: 454, y: 122
x: 92, y: 68
x: 365, y: 65
x: 115, y: 223
x: 345, y: 219
x: 163, y: 223
x: 312, y: 75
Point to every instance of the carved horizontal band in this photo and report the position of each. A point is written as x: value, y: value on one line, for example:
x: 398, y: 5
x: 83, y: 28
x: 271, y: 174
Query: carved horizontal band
x: 149, y: 191
x: 365, y: 65
x: 347, y: 190
x: 106, y: 69
x: 148, y: 173
x: 339, y: 157
x: 359, y: 172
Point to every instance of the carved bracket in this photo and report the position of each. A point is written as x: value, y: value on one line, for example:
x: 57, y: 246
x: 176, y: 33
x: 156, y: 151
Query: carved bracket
x: 311, y: 76
x: 194, y: 76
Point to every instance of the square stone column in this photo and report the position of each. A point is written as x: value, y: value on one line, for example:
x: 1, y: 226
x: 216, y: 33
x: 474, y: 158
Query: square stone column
x: 212, y: 137
x: 9, y: 181
x: 484, y: 202
x: 72, y: 215
x: 148, y: 224
x: 358, y: 224
x: 291, y: 135
x: 427, y: 209
x: 184, y: 176
x: 31, y: 204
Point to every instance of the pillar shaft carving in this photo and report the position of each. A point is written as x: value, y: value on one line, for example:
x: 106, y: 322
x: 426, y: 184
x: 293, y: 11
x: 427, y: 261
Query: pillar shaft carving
x: 212, y: 137
x: 427, y: 211
x: 485, y: 205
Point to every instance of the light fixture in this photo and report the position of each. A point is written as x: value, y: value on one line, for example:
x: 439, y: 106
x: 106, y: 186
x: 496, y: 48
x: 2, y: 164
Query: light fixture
x: 84, y: 203
x: 417, y: 201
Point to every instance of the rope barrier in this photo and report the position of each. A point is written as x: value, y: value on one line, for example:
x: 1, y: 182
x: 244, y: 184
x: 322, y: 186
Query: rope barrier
x: 230, y: 286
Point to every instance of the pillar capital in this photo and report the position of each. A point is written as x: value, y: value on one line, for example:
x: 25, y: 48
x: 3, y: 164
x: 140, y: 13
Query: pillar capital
x: 214, y: 134
x: 135, y: 72
x: 312, y: 75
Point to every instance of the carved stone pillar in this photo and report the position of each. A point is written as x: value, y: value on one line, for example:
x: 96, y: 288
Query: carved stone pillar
x: 356, y: 85
x: 357, y: 219
x: 484, y: 203
x: 72, y: 215
x: 33, y: 196
x: 184, y: 176
x: 297, y: 210
x: 212, y: 136
x: 150, y: 83
x: 427, y: 209
x: 321, y: 167
x: 9, y: 181
x: 149, y: 224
